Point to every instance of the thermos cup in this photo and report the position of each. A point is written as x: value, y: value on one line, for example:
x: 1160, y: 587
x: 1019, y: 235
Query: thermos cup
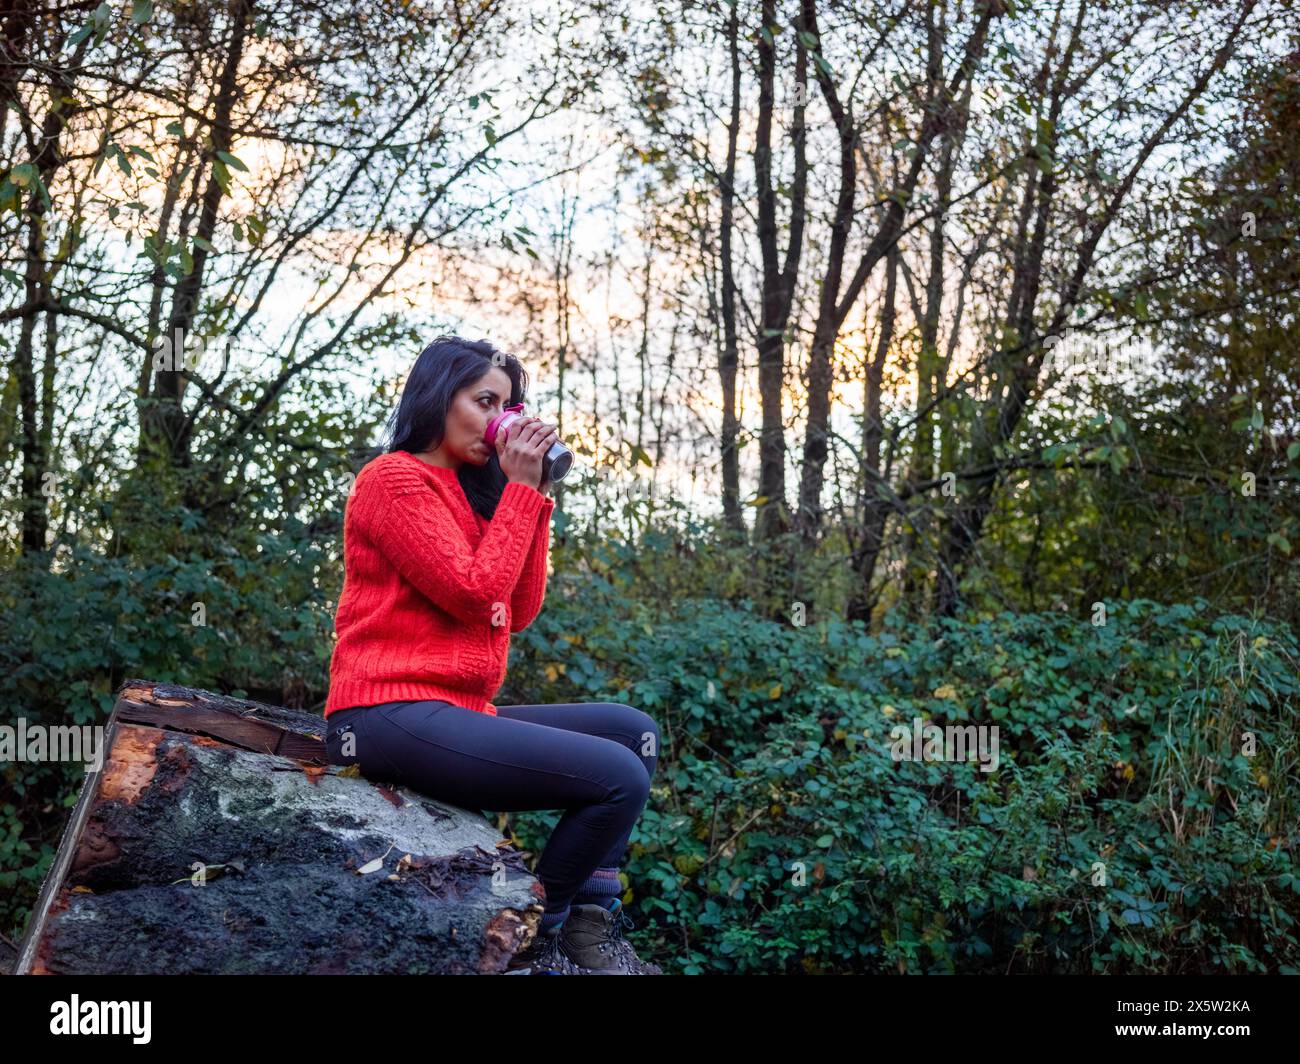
x: 556, y: 462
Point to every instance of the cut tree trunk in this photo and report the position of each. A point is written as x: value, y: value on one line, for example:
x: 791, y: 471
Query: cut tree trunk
x: 215, y: 838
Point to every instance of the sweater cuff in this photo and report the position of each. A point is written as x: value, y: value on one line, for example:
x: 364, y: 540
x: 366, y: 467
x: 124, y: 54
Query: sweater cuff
x: 526, y: 500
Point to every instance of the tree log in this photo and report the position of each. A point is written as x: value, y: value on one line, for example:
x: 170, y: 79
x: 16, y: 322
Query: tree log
x: 215, y: 838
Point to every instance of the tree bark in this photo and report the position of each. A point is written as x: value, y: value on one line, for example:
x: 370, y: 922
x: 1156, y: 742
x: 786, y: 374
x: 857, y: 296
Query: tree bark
x: 164, y: 428
x: 214, y: 838
x: 778, y: 278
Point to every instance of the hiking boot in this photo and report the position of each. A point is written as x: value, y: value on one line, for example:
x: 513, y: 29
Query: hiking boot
x: 588, y: 940
x: 545, y: 955
x: 599, y: 944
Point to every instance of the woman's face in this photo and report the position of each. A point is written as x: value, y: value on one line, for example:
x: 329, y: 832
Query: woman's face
x: 467, y: 418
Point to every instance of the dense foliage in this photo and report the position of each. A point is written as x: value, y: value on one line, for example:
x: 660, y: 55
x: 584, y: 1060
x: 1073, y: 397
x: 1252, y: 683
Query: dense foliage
x: 781, y: 834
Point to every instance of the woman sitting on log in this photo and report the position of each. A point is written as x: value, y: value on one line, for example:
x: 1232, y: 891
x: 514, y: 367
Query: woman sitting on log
x: 445, y: 543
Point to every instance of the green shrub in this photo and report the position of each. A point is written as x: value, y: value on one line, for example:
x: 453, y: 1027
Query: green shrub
x: 1123, y: 832
x: 1127, y: 828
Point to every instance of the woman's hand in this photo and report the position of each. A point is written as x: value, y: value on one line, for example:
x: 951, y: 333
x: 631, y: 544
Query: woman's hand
x: 521, y: 448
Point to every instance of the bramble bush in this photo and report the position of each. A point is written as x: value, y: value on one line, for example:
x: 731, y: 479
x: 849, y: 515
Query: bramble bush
x: 69, y: 636
x: 1125, y: 830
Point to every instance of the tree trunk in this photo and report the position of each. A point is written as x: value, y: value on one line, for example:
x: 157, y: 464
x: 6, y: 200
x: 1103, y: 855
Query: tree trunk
x: 164, y: 428
x: 729, y: 359
x: 778, y: 277
x: 214, y: 838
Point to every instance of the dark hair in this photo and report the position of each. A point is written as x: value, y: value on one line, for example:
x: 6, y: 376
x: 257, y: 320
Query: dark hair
x: 419, y: 423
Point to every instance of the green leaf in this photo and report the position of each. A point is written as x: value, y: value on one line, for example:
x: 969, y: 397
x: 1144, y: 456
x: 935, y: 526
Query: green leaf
x: 222, y: 175
x: 230, y: 160
x: 23, y: 174
x: 141, y: 11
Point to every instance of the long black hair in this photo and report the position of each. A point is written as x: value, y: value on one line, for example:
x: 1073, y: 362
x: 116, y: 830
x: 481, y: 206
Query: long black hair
x: 420, y: 420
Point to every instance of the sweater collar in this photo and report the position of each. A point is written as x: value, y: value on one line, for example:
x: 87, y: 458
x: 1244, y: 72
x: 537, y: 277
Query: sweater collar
x: 441, y: 472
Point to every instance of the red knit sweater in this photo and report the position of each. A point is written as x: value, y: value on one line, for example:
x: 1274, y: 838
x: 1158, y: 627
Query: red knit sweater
x: 432, y: 590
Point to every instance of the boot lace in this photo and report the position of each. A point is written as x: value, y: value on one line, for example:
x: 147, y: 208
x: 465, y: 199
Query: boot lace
x: 624, y: 949
x: 620, y: 922
x: 550, y: 957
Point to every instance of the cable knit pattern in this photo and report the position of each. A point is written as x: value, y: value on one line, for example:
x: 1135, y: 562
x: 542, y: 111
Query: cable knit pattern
x: 432, y: 590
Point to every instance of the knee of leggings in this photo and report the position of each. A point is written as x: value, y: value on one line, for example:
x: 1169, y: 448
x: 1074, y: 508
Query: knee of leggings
x: 629, y: 776
x: 647, y: 729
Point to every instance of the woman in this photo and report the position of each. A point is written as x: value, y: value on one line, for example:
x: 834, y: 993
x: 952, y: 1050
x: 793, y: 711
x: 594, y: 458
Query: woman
x: 445, y: 549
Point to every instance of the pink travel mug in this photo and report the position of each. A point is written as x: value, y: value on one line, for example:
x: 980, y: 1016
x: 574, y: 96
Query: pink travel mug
x: 556, y: 462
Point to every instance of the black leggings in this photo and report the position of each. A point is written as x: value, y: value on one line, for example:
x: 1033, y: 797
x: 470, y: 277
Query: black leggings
x: 595, y: 760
